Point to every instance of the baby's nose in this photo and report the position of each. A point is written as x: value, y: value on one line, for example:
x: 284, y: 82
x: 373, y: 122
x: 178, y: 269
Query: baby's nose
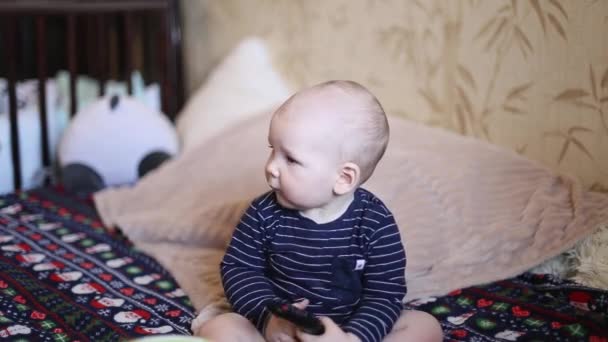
x: 272, y: 169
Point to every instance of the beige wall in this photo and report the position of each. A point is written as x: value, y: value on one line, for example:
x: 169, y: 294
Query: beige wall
x: 531, y: 75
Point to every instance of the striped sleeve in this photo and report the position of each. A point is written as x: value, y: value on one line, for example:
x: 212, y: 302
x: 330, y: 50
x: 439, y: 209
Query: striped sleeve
x: 242, y: 269
x: 383, y: 285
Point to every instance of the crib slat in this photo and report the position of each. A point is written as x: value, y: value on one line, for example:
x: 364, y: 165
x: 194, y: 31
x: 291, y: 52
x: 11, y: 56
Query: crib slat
x: 91, y: 44
x: 128, y: 24
x: 10, y: 36
x: 163, y: 52
x: 102, y: 45
x: 72, y: 62
x: 169, y: 55
x: 175, y: 51
x: 80, y: 6
x: 41, y: 61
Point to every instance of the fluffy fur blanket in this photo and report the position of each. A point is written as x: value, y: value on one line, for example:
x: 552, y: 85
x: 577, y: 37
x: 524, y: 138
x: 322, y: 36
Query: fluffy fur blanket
x: 469, y: 212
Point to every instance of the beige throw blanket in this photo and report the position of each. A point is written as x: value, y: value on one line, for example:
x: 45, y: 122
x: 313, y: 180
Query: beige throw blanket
x: 469, y: 212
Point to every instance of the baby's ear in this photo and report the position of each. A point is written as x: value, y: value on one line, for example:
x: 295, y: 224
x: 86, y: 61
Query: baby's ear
x: 348, y: 178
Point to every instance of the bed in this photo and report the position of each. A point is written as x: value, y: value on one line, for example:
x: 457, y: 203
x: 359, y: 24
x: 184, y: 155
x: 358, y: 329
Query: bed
x: 157, y: 273
x: 64, y: 276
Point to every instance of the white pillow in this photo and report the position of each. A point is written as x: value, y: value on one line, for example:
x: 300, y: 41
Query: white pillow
x: 244, y: 83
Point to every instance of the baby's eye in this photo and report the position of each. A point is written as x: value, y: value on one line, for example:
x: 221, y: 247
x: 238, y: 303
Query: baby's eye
x: 290, y: 160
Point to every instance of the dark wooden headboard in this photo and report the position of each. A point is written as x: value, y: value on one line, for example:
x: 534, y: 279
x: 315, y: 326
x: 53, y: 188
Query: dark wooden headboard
x: 105, y: 39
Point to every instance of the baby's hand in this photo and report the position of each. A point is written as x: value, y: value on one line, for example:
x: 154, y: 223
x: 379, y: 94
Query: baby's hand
x: 281, y: 330
x: 333, y: 333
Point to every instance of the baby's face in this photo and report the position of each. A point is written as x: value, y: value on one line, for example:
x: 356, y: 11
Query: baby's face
x: 305, y: 159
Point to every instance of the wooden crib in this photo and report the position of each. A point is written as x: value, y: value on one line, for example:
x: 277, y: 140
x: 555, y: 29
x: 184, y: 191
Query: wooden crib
x: 104, y: 39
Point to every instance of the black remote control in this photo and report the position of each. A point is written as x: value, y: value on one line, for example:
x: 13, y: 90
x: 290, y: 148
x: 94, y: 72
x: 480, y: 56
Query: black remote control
x: 304, y: 320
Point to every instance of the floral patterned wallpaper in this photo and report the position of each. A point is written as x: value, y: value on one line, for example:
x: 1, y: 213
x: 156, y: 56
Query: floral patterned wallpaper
x: 530, y: 75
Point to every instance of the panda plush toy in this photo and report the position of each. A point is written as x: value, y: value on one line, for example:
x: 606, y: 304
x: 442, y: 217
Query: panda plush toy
x: 113, y: 141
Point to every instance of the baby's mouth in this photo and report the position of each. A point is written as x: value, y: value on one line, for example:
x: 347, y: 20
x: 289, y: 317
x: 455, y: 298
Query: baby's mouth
x: 273, y: 187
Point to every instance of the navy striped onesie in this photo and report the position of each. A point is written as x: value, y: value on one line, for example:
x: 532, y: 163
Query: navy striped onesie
x: 350, y: 269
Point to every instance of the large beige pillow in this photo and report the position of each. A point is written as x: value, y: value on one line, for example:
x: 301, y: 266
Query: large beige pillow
x: 469, y: 212
x: 244, y: 83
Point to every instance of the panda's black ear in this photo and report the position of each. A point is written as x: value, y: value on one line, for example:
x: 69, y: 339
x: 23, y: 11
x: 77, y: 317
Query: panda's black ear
x: 114, y: 101
x: 151, y: 161
x: 81, y: 179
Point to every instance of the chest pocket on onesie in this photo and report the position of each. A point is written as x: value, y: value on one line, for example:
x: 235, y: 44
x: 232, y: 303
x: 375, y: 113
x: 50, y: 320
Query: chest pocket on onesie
x: 345, y: 280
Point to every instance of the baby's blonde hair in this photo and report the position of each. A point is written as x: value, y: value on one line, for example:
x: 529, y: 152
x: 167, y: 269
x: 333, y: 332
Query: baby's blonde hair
x: 366, y: 131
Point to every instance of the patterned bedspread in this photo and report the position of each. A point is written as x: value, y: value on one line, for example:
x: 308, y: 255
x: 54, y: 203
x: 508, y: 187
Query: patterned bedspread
x: 65, y: 278
x: 526, y: 308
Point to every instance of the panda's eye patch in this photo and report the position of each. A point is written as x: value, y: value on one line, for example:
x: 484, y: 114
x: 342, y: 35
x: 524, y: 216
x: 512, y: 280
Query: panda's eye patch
x: 114, y: 102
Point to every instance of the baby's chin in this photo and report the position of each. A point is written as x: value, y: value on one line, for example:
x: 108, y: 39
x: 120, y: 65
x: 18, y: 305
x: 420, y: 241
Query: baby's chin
x: 283, y: 202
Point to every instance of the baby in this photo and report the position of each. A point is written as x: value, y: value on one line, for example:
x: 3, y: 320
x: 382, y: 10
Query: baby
x: 317, y: 239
